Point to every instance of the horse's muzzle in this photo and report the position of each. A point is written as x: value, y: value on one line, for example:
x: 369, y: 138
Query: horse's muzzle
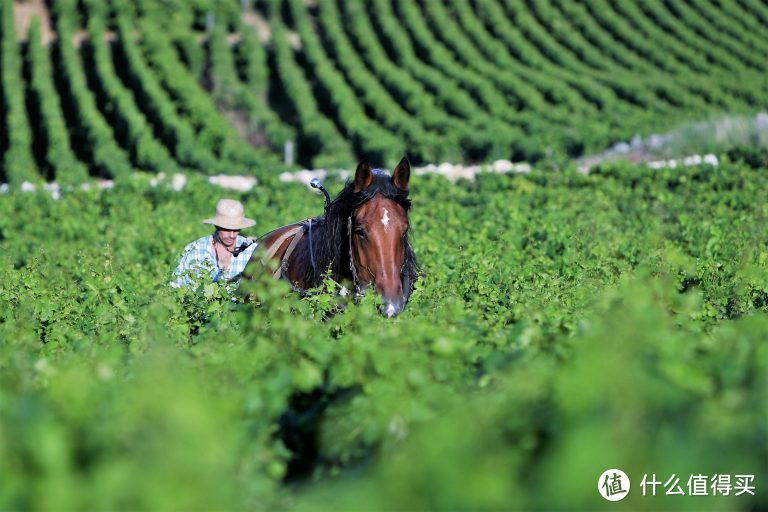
x: 391, y: 309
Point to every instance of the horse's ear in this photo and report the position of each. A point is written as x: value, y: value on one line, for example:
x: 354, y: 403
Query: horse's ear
x: 363, y: 176
x: 402, y: 174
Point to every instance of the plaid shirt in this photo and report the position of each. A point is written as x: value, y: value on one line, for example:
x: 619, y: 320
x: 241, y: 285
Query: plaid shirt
x: 199, y: 258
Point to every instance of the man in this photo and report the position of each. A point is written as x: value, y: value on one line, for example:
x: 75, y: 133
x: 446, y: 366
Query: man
x: 217, y: 255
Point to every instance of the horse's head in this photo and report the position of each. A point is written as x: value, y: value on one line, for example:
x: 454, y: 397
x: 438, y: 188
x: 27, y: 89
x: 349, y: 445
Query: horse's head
x: 378, y: 229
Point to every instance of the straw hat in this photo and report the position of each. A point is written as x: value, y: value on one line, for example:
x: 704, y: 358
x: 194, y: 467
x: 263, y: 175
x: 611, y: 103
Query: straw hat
x: 230, y: 215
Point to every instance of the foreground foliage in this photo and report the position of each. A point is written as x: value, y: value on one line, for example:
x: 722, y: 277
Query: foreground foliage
x: 565, y: 324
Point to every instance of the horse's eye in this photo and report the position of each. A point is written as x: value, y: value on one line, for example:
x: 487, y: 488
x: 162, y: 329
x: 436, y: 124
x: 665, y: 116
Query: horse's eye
x: 361, y: 233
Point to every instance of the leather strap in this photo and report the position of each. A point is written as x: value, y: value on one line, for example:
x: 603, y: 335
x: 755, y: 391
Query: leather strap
x: 277, y: 243
x: 284, y: 261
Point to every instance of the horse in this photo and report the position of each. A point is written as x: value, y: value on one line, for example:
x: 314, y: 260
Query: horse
x: 362, y: 238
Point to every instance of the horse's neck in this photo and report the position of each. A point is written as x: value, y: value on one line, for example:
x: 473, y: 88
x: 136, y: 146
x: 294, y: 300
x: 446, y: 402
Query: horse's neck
x: 315, y: 254
x: 341, y: 258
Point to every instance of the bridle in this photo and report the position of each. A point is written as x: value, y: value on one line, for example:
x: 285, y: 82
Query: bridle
x: 359, y: 288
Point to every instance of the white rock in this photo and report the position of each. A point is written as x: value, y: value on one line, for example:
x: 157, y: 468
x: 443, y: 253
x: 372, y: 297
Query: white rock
x: 711, y: 159
x: 178, y: 182
x: 450, y: 171
x: 692, y: 160
x: 523, y: 167
x: 239, y: 183
x: 157, y: 179
x: 54, y: 189
x: 106, y: 184
x: 430, y: 168
x: 459, y: 171
x: 4, y: 188
x: 502, y: 166
x: 304, y: 176
x: 28, y: 187
x: 445, y: 168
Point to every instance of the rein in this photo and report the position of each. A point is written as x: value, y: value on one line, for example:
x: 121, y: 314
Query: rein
x: 311, y: 248
x: 243, y: 246
x: 355, y: 280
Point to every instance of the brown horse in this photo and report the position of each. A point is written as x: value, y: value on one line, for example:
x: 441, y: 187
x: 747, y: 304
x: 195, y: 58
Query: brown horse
x: 362, y: 239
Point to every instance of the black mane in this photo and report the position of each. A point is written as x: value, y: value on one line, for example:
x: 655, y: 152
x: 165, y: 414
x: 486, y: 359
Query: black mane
x: 330, y: 237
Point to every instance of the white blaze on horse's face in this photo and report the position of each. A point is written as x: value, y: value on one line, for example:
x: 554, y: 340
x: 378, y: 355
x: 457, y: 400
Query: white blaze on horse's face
x: 385, y: 220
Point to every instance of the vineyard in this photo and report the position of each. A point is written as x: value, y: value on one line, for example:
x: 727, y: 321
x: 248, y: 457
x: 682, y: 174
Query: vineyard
x: 564, y: 323
x: 171, y: 85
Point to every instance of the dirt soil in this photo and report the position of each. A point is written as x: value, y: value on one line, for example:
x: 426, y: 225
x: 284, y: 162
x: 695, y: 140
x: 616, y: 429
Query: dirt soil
x: 24, y: 12
x: 251, y: 17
